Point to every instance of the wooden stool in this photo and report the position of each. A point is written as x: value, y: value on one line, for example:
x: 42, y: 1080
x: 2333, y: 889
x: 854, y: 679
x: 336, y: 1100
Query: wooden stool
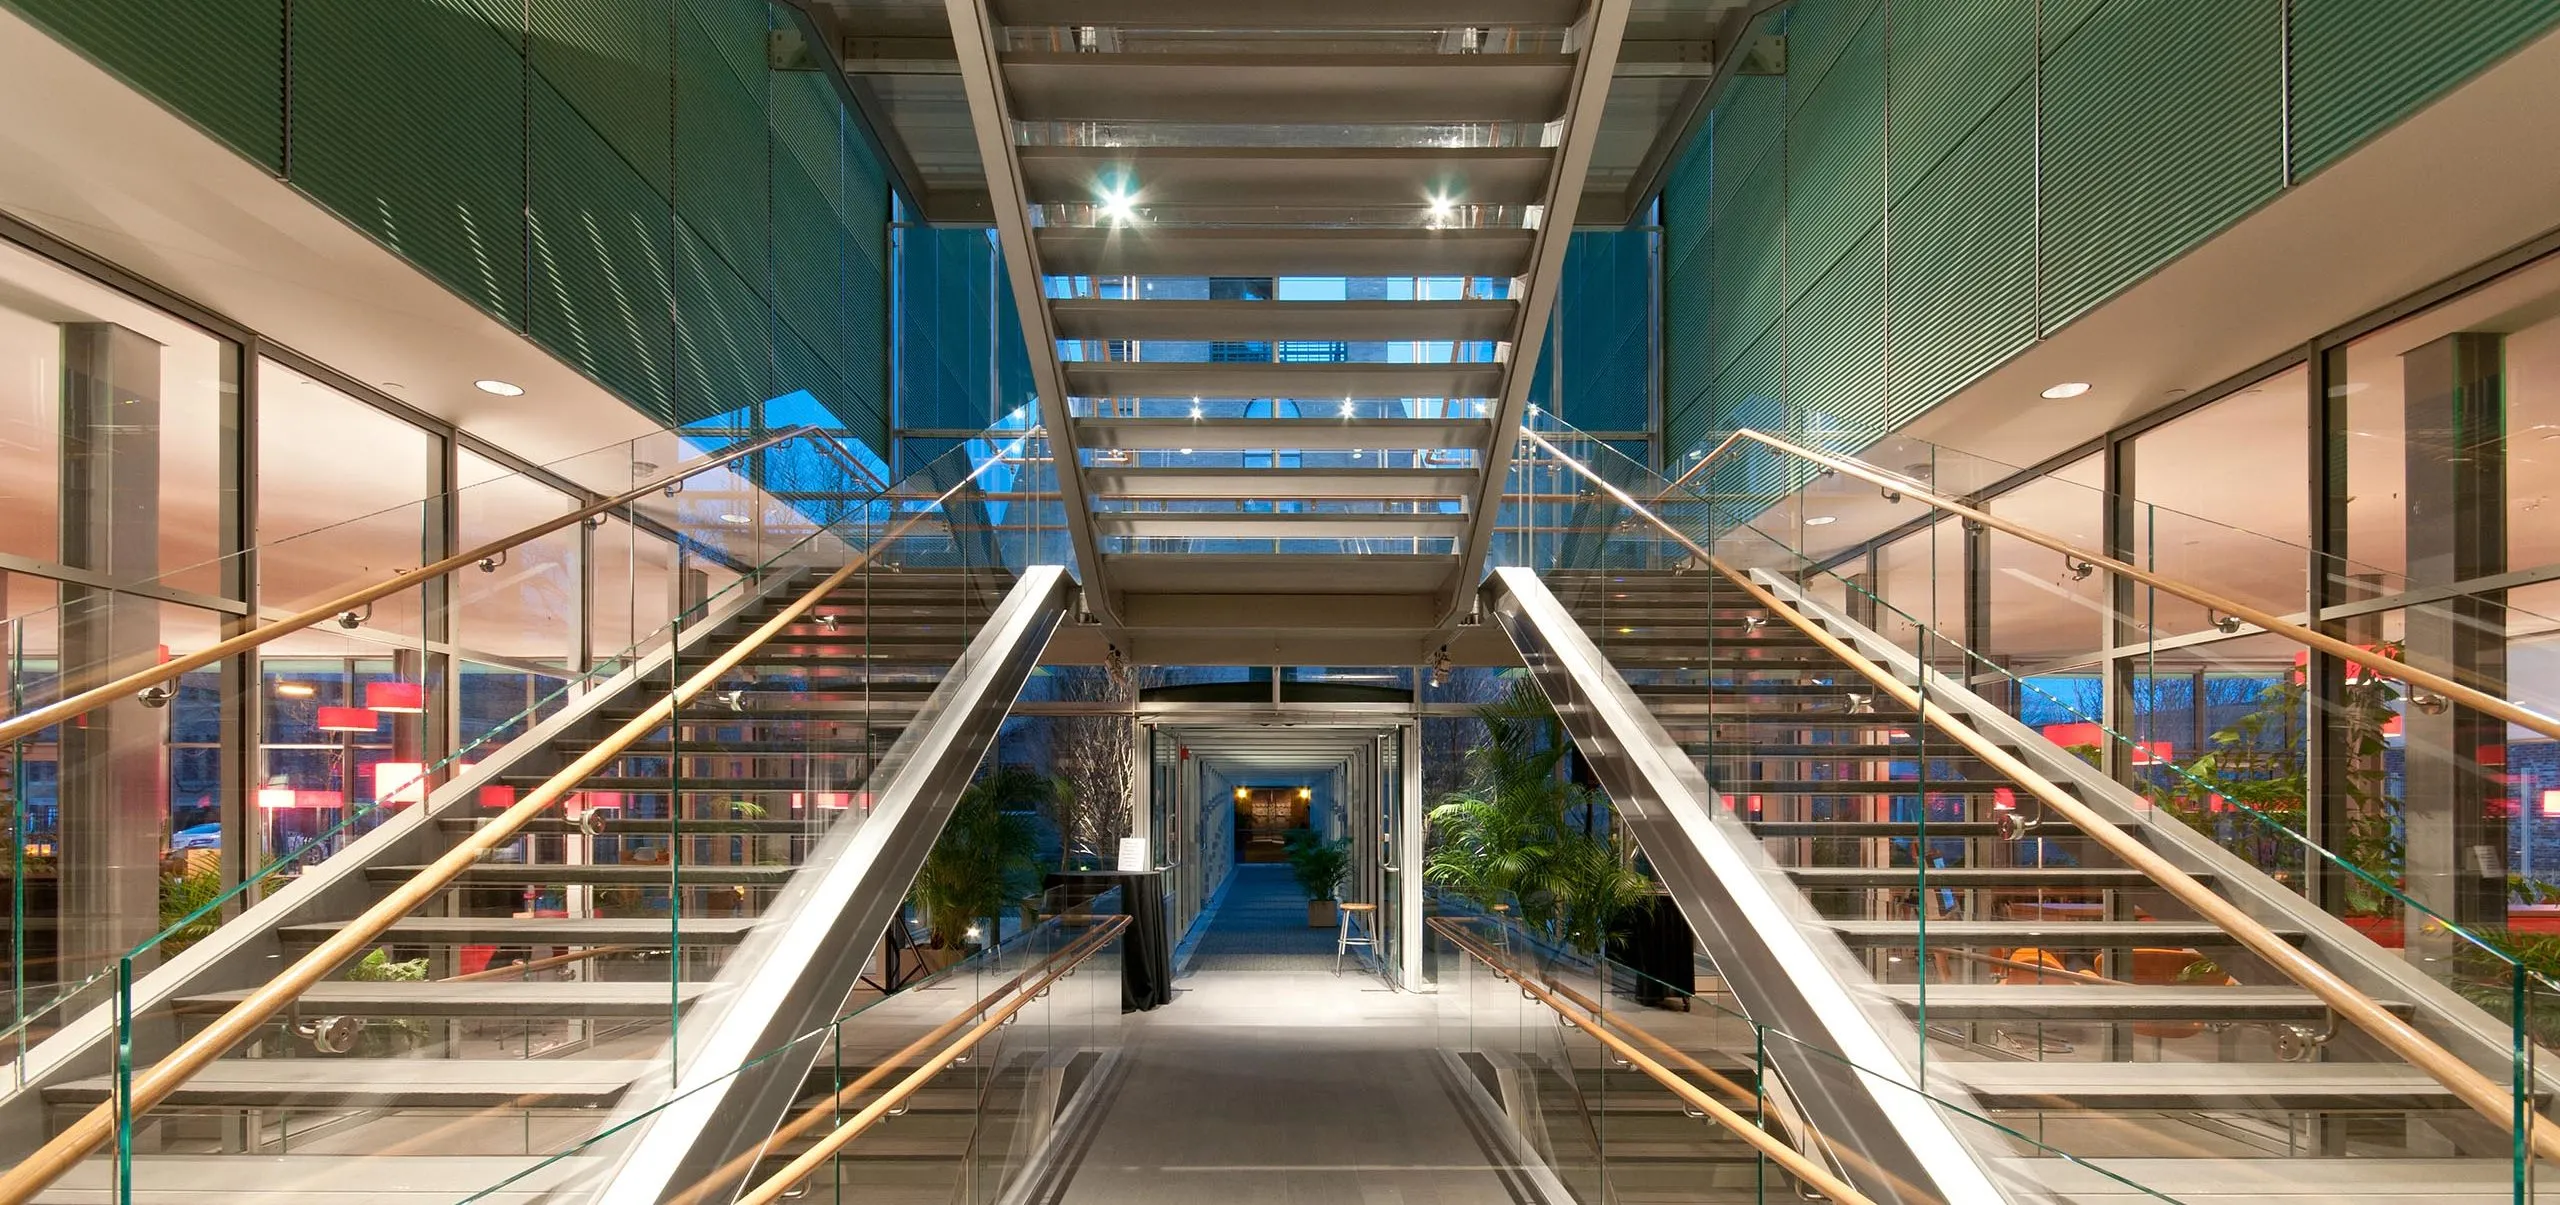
x: 1343, y: 939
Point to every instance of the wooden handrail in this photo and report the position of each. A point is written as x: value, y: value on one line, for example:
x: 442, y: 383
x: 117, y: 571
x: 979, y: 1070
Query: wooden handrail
x: 2384, y: 1026
x: 154, y: 1085
x: 18, y: 726
x: 801, y: 1168
x: 2475, y: 699
x: 1794, y: 1161
x: 738, y: 1165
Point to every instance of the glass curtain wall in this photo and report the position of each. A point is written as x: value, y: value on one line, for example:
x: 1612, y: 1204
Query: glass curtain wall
x: 120, y: 479
x: 2431, y: 445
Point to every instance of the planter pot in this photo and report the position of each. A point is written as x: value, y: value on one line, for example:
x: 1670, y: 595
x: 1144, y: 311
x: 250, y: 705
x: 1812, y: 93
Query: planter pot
x: 1320, y: 914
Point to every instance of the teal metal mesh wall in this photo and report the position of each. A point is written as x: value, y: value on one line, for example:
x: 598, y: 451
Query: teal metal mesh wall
x: 625, y: 181
x: 2029, y: 159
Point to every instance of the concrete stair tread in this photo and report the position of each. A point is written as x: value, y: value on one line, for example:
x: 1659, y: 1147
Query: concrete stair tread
x: 479, y: 998
x: 2028, y: 1002
x: 552, y: 931
x: 319, y: 1179
x: 2287, y: 1181
x: 324, y: 1082
x: 2067, y: 1086
x: 2058, y: 935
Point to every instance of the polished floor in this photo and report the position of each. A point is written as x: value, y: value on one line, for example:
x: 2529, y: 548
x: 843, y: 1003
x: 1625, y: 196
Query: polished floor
x: 1272, y: 1081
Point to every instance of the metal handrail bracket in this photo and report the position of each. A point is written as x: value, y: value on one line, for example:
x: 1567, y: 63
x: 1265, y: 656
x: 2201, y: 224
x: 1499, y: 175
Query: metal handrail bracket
x: 1781, y: 962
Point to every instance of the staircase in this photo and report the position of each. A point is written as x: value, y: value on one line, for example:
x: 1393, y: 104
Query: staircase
x: 2065, y: 994
x: 507, y: 1017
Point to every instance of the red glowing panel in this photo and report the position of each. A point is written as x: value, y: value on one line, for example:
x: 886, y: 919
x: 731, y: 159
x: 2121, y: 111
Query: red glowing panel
x: 2068, y: 735
x: 2003, y: 799
x: 406, y: 698
x: 497, y: 797
x: 348, y: 719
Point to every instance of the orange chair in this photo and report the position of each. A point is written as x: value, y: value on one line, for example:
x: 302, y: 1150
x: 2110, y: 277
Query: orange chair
x: 2165, y: 968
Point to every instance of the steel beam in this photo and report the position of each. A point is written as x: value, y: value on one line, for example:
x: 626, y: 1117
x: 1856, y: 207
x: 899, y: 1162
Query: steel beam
x: 991, y: 113
x: 1602, y: 31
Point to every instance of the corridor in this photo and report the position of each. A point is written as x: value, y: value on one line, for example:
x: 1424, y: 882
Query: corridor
x: 1271, y: 1081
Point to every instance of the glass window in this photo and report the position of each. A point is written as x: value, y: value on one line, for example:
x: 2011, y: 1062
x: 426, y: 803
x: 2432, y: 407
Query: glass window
x: 2522, y: 307
x: 165, y: 398
x: 635, y: 589
x: 1921, y: 577
x: 2043, y: 613
x: 525, y: 605
x: 2224, y: 505
x: 340, y: 498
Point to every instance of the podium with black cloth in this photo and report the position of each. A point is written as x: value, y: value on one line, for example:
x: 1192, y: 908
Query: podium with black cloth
x: 1146, y: 949
x: 1657, y: 943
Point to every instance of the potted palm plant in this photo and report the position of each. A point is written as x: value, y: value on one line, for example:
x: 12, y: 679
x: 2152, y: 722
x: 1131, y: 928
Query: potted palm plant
x: 981, y: 864
x: 1519, y: 836
x: 1319, y: 866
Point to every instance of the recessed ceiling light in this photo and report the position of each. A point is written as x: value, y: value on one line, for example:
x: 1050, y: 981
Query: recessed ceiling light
x: 501, y: 388
x: 1186, y: 451
x: 1820, y: 520
x: 733, y: 518
x: 2066, y: 389
x: 1119, y: 205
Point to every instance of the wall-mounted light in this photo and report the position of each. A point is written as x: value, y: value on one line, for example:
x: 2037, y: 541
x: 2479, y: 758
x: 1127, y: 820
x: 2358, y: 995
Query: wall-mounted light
x: 295, y: 690
x: 1305, y: 793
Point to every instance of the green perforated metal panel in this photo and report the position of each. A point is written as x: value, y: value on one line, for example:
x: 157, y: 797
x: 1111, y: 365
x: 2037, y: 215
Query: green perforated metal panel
x: 1962, y: 276
x: 1835, y: 160
x: 408, y: 120
x: 599, y: 265
x: 1951, y: 64
x: 610, y: 61
x: 1817, y: 35
x: 1750, y: 125
x: 2350, y: 81
x: 2157, y: 133
x: 720, y: 155
x: 1750, y: 248
x: 735, y: 30
x: 1835, y: 343
x: 218, y: 63
x: 723, y: 343
x: 809, y: 265
x: 808, y: 131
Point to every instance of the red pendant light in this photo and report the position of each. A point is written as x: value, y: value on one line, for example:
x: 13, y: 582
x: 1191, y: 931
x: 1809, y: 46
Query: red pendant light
x: 348, y: 719
x: 402, y: 698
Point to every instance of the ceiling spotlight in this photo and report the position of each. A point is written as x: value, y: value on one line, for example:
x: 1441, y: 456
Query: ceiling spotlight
x: 1820, y: 520
x: 501, y: 388
x: 1441, y: 207
x: 2067, y: 389
x: 1120, y: 206
x: 733, y: 518
x: 1346, y: 408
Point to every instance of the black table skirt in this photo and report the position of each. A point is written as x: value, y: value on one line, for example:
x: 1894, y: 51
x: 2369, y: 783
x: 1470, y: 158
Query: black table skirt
x: 1146, y: 950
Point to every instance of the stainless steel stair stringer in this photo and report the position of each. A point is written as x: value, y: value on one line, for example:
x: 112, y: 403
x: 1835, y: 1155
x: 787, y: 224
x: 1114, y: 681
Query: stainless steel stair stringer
x: 1850, y: 1065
